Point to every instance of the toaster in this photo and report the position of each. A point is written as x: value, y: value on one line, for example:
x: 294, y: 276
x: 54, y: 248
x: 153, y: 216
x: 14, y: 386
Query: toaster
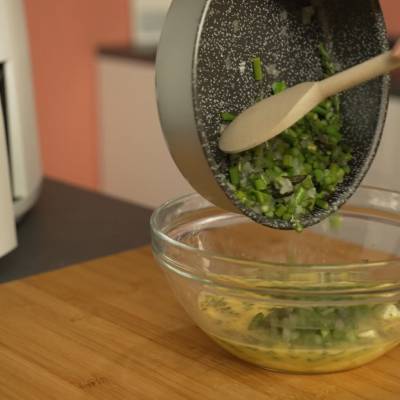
x: 20, y: 167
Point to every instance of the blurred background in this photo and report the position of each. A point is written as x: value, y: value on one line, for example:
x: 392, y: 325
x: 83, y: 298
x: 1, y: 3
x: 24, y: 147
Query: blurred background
x: 93, y: 65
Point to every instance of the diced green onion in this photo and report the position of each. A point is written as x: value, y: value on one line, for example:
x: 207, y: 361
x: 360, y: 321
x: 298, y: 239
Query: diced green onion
x: 262, y: 198
x: 300, y: 195
x: 257, y: 69
x: 335, y: 221
x: 312, y: 148
x: 287, y: 177
x: 227, y: 116
x: 322, y: 204
x: 234, y: 175
x: 260, y: 184
x: 278, y: 87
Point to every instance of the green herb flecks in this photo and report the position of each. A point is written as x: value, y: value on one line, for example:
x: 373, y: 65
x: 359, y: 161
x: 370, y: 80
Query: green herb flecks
x: 218, y: 303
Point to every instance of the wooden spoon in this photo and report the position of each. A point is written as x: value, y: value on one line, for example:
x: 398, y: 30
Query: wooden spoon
x: 271, y: 116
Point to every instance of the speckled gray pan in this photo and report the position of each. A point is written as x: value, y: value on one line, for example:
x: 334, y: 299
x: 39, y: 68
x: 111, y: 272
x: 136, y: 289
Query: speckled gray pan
x: 204, y: 68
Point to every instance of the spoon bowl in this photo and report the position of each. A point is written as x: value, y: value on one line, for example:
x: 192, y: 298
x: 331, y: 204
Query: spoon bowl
x: 270, y: 117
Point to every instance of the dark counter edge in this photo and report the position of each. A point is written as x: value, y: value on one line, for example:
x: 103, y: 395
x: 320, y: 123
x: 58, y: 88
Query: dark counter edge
x: 70, y: 225
x: 148, y: 55
x: 127, y: 52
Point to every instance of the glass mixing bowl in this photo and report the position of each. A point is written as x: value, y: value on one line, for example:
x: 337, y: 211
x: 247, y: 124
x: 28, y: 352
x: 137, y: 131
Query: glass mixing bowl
x: 325, y: 300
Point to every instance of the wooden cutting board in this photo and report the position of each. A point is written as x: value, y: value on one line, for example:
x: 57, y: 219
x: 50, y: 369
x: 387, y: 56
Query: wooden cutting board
x: 111, y: 329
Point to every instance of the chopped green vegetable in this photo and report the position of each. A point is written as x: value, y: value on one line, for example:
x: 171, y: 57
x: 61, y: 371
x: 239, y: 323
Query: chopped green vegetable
x: 335, y: 221
x: 257, y: 69
x: 298, y: 170
x: 328, y: 65
x: 278, y: 87
x: 227, y: 116
x: 260, y: 184
x: 322, y: 204
x: 234, y: 175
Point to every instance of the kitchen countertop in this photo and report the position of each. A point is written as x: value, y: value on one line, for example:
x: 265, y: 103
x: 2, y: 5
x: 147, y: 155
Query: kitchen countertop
x: 111, y: 329
x: 69, y: 225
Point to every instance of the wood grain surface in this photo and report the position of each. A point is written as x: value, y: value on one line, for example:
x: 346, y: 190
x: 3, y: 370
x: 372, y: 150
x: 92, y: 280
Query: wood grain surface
x: 111, y: 329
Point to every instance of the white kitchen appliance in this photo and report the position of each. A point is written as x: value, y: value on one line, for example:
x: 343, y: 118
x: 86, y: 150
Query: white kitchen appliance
x: 20, y: 169
x: 147, y: 19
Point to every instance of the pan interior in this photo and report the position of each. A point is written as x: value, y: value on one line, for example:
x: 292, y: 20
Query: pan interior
x: 286, y: 35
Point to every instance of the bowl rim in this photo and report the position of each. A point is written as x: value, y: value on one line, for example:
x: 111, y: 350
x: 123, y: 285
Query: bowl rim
x: 157, y: 233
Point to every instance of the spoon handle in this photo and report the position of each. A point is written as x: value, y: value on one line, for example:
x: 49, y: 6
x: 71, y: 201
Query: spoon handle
x: 377, y: 66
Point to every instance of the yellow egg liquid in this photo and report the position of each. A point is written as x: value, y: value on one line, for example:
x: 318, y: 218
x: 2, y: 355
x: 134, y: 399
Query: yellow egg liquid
x: 316, y: 361
x: 227, y: 319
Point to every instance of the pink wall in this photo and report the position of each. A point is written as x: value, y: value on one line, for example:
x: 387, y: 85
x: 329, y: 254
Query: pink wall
x: 64, y: 35
x: 391, y: 8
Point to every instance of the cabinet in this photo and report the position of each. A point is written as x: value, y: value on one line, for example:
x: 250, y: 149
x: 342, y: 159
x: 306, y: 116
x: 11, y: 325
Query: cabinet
x: 386, y: 166
x: 135, y: 164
